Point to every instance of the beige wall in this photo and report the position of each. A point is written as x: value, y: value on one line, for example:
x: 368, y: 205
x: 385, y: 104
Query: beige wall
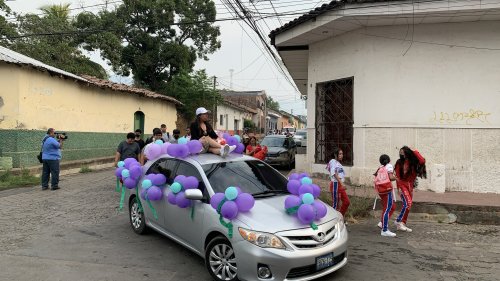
x: 49, y: 101
x: 230, y: 114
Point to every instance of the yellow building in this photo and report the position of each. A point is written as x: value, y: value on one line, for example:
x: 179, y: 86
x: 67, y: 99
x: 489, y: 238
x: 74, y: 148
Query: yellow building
x: 96, y: 114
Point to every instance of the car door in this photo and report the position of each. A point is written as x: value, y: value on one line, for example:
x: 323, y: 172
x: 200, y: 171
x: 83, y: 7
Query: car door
x: 165, y: 166
x: 187, y: 223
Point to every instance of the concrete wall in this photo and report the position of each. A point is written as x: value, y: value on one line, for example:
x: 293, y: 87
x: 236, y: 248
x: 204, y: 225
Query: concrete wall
x: 443, y: 100
x: 230, y: 114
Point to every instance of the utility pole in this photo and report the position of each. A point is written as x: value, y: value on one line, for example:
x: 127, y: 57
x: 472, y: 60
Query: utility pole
x: 231, y: 80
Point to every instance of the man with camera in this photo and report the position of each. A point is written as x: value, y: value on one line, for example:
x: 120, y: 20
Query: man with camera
x: 51, y: 155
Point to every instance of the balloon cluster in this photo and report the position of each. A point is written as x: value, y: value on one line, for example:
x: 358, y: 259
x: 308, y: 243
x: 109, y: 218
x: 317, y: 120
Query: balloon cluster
x: 233, y: 201
x: 303, y: 200
x: 176, y: 196
x: 152, y: 187
x: 229, y: 203
x: 181, y: 149
x: 233, y: 140
x: 129, y: 171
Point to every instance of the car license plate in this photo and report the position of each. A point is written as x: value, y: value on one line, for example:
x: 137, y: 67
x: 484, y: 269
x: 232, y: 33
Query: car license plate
x: 324, y: 261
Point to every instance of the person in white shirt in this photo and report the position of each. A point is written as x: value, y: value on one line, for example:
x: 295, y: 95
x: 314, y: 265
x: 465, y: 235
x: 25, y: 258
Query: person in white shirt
x: 337, y: 188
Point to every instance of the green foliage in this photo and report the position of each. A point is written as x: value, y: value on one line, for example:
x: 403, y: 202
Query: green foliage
x: 272, y: 104
x: 9, y: 180
x: 60, y: 51
x: 194, y: 90
x: 85, y: 169
x: 248, y: 124
x: 7, y: 29
x: 155, y: 50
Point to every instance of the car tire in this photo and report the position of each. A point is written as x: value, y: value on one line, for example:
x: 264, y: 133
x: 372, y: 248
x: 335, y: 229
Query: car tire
x: 220, y: 260
x: 137, y: 218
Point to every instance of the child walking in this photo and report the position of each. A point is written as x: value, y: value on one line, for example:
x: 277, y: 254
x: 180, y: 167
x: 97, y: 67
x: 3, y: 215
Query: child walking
x: 383, y: 177
x: 337, y: 188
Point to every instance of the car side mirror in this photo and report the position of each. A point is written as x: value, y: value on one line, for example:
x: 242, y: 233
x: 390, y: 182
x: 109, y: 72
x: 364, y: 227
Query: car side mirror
x: 193, y: 194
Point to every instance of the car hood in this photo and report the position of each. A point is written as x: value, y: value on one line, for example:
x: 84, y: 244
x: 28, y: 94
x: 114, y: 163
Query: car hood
x: 269, y: 215
x: 275, y: 149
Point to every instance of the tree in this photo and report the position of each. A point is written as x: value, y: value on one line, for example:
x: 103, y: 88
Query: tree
x: 7, y: 29
x: 272, y: 104
x: 153, y: 39
x: 61, y: 51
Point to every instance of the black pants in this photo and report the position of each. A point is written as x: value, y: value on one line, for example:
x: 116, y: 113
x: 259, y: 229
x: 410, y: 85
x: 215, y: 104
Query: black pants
x: 50, y: 167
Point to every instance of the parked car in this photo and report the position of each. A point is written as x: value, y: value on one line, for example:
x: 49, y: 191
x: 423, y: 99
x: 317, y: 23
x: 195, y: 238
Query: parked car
x: 281, y: 150
x: 267, y: 243
x: 300, y: 137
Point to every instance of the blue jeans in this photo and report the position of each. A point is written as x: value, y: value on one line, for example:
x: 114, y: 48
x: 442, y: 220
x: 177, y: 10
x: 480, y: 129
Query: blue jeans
x: 50, y: 167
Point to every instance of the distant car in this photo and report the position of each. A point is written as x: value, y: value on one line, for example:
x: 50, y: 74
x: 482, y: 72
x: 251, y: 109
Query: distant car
x: 267, y: 243
x: 300, y: 138
x: 281, y: 150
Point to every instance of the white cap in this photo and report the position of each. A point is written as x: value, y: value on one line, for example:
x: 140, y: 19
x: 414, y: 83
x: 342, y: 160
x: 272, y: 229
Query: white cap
x: 201, y: 110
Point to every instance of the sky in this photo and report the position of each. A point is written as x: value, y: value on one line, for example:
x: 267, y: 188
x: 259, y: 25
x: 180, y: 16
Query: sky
x: 241, y: 52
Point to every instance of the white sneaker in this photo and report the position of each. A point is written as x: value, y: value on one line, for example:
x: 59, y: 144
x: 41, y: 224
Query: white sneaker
x: 379, y: 224
x: 387, y: 233
x: 232, y: 148
x: 401, y: 226
x: 224, y: 151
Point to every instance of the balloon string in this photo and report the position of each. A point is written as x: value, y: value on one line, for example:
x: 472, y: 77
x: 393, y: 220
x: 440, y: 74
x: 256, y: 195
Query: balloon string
x: 192, y: 212
x: 122, y: 198
x: 229, y: 225
x: 292, y: 210
x: 151, y: 207
x: 314, y: 226
x: 138, y: 199
x: 117, y: 189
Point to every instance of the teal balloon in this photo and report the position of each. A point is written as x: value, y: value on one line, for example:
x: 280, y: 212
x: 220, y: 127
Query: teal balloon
x: 182, y: 140
x: 308, y: 198
x: 238, y: 138
x: 146, y: 184
x: 231, y: 193
x: 121, y: 164
x: 125, y: 173
x: 176, y: 187
x: 160, y: 142
x: 306, y: 180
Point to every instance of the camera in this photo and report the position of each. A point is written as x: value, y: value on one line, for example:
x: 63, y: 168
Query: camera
x: 61, y: 136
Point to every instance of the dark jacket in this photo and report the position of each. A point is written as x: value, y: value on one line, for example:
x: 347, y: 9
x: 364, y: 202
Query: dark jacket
x: 197, y: 132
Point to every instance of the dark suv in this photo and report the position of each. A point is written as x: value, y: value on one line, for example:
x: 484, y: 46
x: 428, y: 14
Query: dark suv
x: 281, y: 150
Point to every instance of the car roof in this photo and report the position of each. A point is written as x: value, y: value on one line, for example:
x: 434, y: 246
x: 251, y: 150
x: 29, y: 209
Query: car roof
x: 209, y: 158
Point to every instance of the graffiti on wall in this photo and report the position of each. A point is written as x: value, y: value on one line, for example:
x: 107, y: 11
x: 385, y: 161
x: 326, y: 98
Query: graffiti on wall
x: 471, y: 117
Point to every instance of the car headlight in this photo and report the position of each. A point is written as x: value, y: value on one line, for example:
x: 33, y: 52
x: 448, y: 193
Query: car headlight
x: 262, y: 239
x: 340, y: 224
x: 283, y: 154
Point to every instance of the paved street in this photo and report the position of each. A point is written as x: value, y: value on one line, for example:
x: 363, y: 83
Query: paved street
x: 76, y: 233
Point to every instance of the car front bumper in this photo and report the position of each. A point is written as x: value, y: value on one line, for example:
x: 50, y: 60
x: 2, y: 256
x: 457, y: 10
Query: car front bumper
x: 277, y: 160
x: 289, y: 265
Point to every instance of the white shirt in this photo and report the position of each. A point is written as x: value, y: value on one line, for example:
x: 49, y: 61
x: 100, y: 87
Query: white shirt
x: 389, y: 168
x: 336, y: 168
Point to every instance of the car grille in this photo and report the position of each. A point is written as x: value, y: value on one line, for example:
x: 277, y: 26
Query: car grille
x: 308, y: 242
x: 272, y: 155
x: 311, y: 269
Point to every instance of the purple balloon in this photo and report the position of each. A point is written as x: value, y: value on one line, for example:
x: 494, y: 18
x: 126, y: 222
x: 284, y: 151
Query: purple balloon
x: 232, y: 141
x: 293, y: 186
x: 245, y: 202
x: 294, y: 176
x: 305, y: 188
x: 306, y: 213
x: 129, y: 162
x: 135, y: 171
x: 194, y: 146
x: 154, y: 151
x: 183, y: 151
x: 171, y: 198
x: 226, y: 136
x: 154, y: 193
x: 159, y: 179
x: 129, y: 183
x: 172, y: 150
x: 229, y: 210
x: 292, y: 201
x: 239, y: 148
x: 181, y: 179
x: 181, y: 200
x: 239, y: 190
x: 191, y: 183
x: 164, y: 148
x: 320, y: 209
x: 216, y: 199
x: 118, y: 172
x: 316, y: 190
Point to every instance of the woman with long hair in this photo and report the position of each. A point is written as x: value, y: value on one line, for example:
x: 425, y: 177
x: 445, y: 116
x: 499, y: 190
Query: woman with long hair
x: 407, y: 168
x: 337, y: 188
x: 201, y: 130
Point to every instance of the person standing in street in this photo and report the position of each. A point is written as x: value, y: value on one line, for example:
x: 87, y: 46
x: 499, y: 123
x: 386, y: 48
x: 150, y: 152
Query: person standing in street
x: 51, y: 155
x: 176, y: 135
x: 138, y: 139
x: 165, y: 134
x: 337, y: 188
x: 127, y: 149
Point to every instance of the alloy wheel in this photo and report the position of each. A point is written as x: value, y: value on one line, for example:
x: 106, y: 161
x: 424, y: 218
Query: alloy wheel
x: 223, y: 262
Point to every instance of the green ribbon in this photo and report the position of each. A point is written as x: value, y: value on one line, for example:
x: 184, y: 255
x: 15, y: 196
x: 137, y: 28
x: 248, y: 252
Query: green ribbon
x: 122, y: 198
x: 139, y: 208
x: 294, y: 210
x: 314, y: 226
x: 192, y: 212
x: 117, y: 189
x: 227, y: 225
x: 151, y: 207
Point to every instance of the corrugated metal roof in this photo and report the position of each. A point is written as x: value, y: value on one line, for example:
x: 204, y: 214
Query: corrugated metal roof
x: 10, y: 56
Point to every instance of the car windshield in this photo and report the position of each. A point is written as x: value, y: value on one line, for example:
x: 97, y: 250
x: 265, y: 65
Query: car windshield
x: 273, y: 142
x: 252, y: 176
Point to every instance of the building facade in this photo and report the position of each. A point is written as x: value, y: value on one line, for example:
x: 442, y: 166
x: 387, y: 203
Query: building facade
x: 370, y: 91
x: 231, y: 117
x: 255, y: 100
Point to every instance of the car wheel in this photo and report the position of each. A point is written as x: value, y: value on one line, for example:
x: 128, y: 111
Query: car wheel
x: 137, y: 219
x: 220, y: 260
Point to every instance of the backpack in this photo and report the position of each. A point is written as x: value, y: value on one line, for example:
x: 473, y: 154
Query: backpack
x: 382, y: 181
x: 39, y: 156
